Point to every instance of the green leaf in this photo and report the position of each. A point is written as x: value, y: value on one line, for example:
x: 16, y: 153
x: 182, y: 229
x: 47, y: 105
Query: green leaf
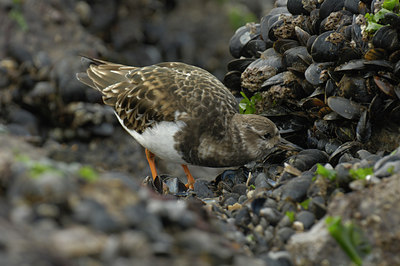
x: 305, y: 204
x: 88, y: 173
x: 248, y: 106
x: 381, y: 14
x: 350, y: 238
x: 390, y: 4
x: 361, y: 173
x: 326, y: 173
x: 290, y: 215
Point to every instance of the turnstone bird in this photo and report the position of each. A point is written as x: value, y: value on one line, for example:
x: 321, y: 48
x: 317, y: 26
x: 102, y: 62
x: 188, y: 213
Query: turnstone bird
x: 182, y: 113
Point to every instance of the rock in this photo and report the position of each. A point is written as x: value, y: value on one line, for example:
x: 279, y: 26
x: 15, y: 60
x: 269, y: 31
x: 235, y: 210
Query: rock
x: 306, y: 218
x: 295, y: 189
x: 202, y: 190
x: 273, y: 216
x: 285, y: 233
x: 368, y: 210
x: 305, y: 248
x: 78, y: 241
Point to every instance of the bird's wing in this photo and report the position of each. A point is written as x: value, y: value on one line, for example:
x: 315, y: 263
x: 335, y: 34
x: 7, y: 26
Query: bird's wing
x: 142, y: 96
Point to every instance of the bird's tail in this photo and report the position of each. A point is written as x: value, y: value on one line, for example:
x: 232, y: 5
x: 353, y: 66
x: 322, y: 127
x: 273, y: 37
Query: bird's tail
x: 106, y: 77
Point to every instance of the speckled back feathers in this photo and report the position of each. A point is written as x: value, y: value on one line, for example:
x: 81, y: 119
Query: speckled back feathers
x: 172, y: 91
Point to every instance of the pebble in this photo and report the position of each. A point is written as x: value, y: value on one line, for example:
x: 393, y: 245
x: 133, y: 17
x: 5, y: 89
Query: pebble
x: 78, y: 241
x: 306, y: 218
x: 295, y: 189
x: 285, y: 233
x: 271, y: 215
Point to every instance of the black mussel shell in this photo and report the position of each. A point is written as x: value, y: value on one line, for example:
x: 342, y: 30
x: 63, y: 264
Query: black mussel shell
x: 363, y: 129
x: 313, y: 72
x: 359, y: 21
x: 254, y: 48
x: 241, y: 37
x: 345, y: 107
x: 232, y: 80
x: 296, y: 7
x: 397, y: 69
x: 375, y: 54
x: 297, y: 59
x: 386, y: 38
x: 348, y: 147
x: 282, y: 28
x: 302, y: 35
x: 239, y: 64
x: 282, y: 45
x: 355, y: 6
x: 329, y: 6
x: 327, y: 46
x: 278, y: 10
x: 260, y: 70
x: 392, y: 19
x: 336, y: 20
x: 310, y: 42
x: 354, y: 87
x: 385, y: 86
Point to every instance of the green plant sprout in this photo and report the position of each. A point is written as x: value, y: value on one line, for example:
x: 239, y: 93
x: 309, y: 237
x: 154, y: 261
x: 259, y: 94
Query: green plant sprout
x: 374, y: 21
x: 88, y: 173
x: 361, y: 173
x: 16, y: 15
x: 248, y: 106
x: 305, y: 204
x: 329, y: 174
x: 290, y: 215
x: 349, y: 237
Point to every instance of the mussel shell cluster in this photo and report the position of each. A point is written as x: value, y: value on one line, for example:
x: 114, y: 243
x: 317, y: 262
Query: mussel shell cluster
x: 323, y: 79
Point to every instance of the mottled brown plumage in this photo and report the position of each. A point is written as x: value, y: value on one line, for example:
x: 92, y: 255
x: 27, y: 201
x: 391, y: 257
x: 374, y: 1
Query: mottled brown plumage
x: 205, y: 125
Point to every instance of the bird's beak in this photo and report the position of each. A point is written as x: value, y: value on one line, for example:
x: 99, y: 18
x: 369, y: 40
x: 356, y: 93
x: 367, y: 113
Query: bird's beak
x: 287, y: 145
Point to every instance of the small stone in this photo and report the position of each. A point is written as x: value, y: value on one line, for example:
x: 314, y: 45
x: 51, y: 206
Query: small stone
x: 306, y: 218
x: 135, y: 243
x: 295, y: 189
x: 285, y: 233
x: 243, y: 217
x: 230, y: 201
x: 250, y: 194
x: 202, y: 190
x: 78, y: 241
x: 298, y: 226
x: 271, y: 215
x: 234, y: 207
x: 239, y: 189
x: 242, y: 199
x: 261, y: 181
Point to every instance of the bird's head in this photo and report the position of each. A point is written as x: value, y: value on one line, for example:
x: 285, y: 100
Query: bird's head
x: 261, y: 135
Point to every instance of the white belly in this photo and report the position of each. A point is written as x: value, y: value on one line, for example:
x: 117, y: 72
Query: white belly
x: 159, y: 139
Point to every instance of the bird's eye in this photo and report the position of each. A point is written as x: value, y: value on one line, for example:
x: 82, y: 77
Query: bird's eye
x: 267, y: 136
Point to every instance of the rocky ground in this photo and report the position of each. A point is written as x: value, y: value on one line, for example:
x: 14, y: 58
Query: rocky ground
x: 71, y: 181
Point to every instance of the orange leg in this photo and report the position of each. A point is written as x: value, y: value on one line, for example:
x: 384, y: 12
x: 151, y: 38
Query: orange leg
x: 150, y: 158
x: 190, y: 179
